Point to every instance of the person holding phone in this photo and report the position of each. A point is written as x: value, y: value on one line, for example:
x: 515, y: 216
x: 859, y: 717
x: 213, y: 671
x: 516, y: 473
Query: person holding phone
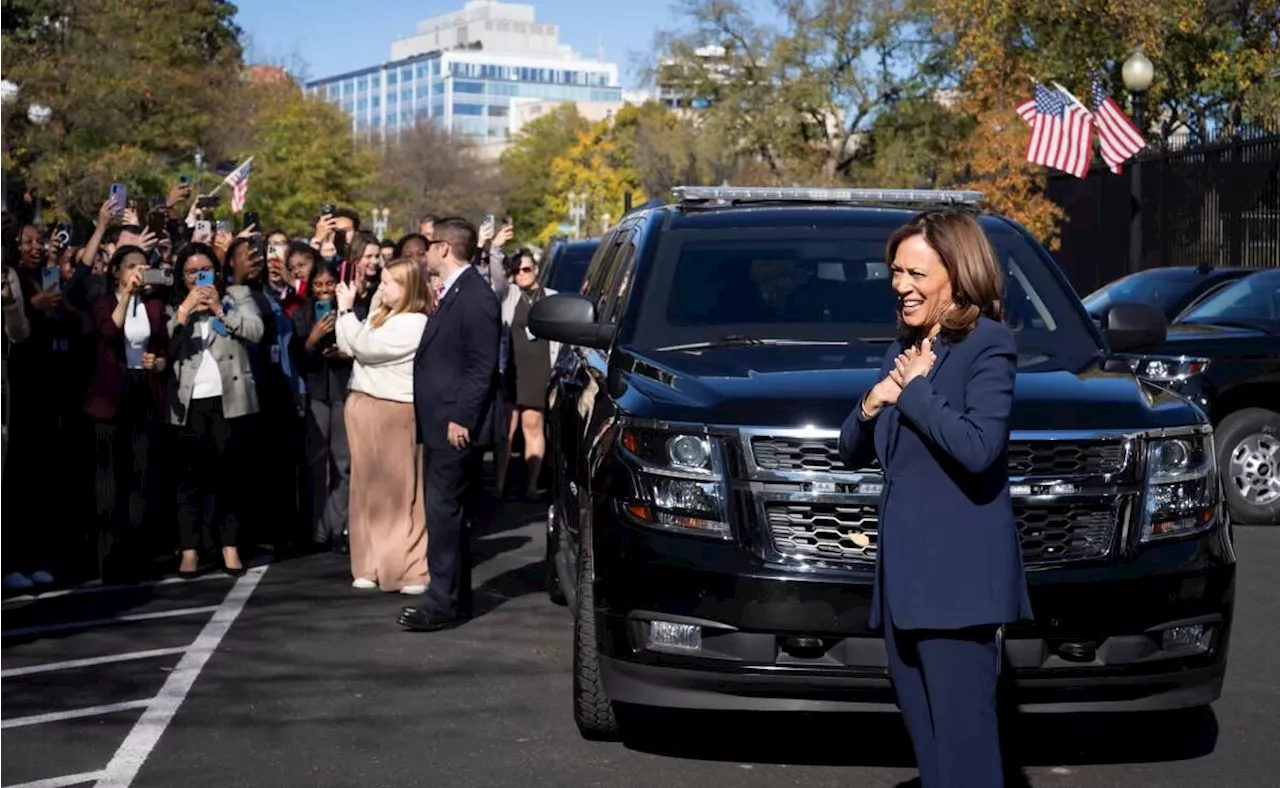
x: 327, y: 373
x: 210, y: 394
x: 125, y: 401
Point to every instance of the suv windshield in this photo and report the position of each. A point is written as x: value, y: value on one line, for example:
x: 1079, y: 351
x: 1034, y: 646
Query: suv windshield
x: 568, y: 267
x: 832, y: 285
x: 1164, y: 290
x: 1255, y: 298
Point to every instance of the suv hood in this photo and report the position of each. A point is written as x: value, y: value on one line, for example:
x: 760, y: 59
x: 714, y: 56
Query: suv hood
x: 1203, y: 339
x: 819, y: 386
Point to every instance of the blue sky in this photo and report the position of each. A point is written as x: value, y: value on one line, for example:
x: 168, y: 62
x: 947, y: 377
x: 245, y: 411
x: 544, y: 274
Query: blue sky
x: 330, y: 37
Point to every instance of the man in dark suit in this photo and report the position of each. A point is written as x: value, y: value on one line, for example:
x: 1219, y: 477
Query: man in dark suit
x: 455, y: 397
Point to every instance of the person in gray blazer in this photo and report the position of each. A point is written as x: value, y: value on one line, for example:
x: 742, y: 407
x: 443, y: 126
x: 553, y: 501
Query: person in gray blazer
x: 210, y: 392
x: 524, y: 361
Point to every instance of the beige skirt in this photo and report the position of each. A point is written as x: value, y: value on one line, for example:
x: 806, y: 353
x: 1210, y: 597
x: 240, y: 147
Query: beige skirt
x: 387, y: 521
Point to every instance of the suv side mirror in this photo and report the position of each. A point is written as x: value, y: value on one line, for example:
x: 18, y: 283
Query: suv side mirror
x: 570, y: 319
x: 1132, y: 327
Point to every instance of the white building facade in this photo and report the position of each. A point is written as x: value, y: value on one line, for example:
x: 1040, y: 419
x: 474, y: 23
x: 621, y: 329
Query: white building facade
x: 465, y: 71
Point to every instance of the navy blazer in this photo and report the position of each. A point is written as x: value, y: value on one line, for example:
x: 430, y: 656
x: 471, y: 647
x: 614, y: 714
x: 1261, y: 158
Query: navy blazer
x: 949, y: 554
x: 455, y: 371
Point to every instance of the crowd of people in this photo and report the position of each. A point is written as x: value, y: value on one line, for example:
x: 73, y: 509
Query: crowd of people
x: 178, y: 398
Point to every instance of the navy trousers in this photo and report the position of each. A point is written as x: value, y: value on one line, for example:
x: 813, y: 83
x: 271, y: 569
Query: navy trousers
x: 946, y: 686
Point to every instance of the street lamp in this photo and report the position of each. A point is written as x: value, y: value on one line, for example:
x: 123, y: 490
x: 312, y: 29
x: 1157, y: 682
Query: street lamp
x: 1138, y: 74
x: 380, y: 220
x: 39, y: 115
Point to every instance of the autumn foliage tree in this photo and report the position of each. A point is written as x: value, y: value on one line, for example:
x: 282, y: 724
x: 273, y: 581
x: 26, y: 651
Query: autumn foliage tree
x: 596, y: 168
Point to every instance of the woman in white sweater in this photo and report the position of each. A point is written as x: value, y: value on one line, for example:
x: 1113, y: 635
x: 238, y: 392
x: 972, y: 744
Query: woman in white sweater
x: 387, y: 521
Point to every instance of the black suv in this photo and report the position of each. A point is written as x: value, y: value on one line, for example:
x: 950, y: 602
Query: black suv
x: 718, y: 555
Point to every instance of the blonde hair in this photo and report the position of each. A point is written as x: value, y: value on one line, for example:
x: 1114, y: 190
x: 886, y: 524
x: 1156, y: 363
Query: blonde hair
x: 416, y: 297
x: 977, y: 283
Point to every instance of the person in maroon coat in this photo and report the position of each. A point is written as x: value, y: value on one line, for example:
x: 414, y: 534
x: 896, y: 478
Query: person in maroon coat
x: 125, y: 400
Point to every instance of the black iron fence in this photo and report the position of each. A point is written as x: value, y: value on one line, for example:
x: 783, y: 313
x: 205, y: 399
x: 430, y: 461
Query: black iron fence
x: 1215, y: 204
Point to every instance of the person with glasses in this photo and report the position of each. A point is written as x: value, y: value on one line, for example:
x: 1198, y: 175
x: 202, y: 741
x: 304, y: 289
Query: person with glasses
x: 525, y: 362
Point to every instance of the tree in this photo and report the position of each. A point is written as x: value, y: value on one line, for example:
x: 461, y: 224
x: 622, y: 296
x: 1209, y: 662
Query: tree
x: 304, y: 155
x: 596, y: 168
x: 426, y: 169
x: 912, y: 144
x: 668, y: 150
x: 135, y: 87
x: 797, y: 97
x: 526, y: 167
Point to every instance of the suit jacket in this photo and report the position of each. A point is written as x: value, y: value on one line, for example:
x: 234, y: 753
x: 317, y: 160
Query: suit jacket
x: 106, y: 387
x: 949, y: 553
x: 455, y: 371
x: 232, y: 352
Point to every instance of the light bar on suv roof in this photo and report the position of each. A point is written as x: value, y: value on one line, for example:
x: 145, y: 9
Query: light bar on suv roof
x: 801, y: 194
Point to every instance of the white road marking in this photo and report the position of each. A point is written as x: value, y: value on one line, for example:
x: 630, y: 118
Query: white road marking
x: 146, y: 733
x: 93, y: 588
x: 100, y: 622
x: 60, y: 782
x: 91, y: 661
x: 58, y: 716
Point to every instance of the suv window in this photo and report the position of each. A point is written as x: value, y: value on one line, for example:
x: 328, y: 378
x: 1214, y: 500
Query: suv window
x: 1253, y: 298
x: 567, y: 268
x: 614, y: 296
x: 831, y: 285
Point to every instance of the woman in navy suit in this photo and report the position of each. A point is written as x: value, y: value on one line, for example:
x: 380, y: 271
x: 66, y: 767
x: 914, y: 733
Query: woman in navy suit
x: 949, y: 570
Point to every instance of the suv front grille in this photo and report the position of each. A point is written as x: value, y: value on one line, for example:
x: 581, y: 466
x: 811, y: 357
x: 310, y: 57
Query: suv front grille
x: 1050, y: 532
x: 1026, y: 458
x: 823, y: 531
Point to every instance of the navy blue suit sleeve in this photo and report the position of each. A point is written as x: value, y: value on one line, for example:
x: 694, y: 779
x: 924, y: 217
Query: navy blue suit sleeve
x: 479, y: 357
x: 857, y: 446
x: 975, y: 437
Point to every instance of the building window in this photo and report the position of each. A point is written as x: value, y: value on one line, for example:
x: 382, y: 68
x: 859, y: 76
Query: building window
x: 347, y: 87
x: 421, y: 70
x: 375, y: 81
x: 468, y: 87
x: 459, y: 108
x: 497, y: 111
x: 421, y: 92
x: 471, y: 127
x: 391, y: 99
x: 391, y: 77
x: 362, y: 104
x: 406, y: 95
x: 375, y: 102
x: 435, y: 67
x: 406, y: 117
x: 406, y: 74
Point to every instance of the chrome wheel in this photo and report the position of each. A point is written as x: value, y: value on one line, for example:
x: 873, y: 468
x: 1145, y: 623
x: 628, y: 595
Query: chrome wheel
x: 1254, y: 468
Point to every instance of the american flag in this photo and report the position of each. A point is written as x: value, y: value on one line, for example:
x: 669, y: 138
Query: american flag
x: 238, y: 180
x: 1118, y: 137
x: 1061, y: 133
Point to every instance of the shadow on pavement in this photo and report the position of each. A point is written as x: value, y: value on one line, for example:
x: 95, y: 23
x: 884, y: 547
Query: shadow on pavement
x: 880, y: 739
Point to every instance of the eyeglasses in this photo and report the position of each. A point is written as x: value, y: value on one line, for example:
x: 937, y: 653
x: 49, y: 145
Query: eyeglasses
x: 524, y: 270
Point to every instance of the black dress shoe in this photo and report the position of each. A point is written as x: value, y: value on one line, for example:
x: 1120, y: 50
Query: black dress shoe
x: 418, y: 620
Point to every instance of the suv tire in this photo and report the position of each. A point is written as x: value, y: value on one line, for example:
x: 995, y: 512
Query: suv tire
x: 1247, y: 442
x: 592, y: 710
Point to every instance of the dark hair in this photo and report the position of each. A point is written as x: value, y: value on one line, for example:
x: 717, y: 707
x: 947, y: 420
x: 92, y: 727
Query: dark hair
x: 977, y: 283
x: 349, y: 213
x: 387, y: 243
x: 231, y: 262
x: 428, y: 217
x: 297, y: 247
x: 180, y: 266
x: 321, y: 267
x: 277, y: 231
x: 512, y: 263
x: 117, y: 259
x: 400, y: 245
x: 362, y: 241
x: 461, y: 236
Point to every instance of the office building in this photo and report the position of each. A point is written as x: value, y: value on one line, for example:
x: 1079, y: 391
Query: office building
x: 466, y: 70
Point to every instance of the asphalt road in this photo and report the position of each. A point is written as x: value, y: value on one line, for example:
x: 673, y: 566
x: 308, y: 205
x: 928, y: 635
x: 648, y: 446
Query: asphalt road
x: 289, y: 677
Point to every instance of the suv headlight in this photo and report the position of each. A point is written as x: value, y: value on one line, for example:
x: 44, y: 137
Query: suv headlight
x: 1182, y: 487
x: 1167, y: 369
x: 680, y: 481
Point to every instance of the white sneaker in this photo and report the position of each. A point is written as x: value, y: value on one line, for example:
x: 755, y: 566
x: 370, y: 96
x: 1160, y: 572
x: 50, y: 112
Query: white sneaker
x: 16, y: 581
x: 363, y: 584
x: 41, y: 577
x: 414, y: 590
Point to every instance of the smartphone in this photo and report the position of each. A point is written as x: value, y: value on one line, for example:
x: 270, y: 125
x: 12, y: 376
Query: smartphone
x: 251, y: 220
x: 50, y: 279
x: 184, y: 180
x: 204, y: 279
x: 156, y: 222
x: 489, y: 221
x: 204, y: 228
x: 326, y: 210
x: 62, y: 234
x: 208, y: 201
x: 278, y: 252
x: 120, y: 194
x: 156, y: 277
x: 259, y: 242
x: 323, y: 310
x: 224, y: 226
